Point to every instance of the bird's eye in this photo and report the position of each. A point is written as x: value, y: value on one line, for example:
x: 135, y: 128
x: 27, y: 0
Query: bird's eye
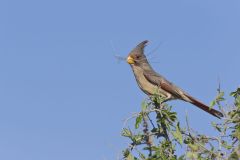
x: 137, y: 56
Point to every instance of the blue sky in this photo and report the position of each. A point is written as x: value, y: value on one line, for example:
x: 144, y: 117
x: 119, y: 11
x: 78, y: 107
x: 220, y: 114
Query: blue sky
x: 64, y: 96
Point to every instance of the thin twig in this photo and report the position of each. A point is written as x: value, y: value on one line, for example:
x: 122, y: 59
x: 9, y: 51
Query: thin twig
x: 149, y: 140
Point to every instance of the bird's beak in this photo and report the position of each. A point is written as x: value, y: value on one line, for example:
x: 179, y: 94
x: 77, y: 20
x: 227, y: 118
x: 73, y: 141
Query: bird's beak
x: 130, y: 60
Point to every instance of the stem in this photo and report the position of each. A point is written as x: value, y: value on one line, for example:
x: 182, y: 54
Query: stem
x: 148, y: 137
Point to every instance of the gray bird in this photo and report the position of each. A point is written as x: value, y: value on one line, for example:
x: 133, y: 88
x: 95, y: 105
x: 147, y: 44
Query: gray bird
x: 150, y: 82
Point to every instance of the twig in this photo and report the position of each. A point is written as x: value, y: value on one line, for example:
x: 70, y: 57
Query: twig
x: 148, y: 137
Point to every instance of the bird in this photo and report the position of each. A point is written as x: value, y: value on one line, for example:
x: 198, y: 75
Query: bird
x: 152, y: 83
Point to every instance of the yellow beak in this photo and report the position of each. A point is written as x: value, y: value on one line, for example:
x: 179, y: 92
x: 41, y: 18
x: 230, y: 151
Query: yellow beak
x: 130, y: 60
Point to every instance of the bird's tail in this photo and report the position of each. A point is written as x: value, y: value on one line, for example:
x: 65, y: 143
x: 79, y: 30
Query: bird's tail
x: 205, y: 107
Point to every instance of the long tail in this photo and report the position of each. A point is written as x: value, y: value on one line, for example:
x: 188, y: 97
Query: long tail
x: 205, y: 107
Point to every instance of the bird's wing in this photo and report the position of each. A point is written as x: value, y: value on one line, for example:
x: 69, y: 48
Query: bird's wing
x: 160, y: 81
x: 157, y: 79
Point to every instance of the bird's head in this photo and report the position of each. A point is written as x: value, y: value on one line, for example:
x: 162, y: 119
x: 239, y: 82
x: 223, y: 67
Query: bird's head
x: 136, y: 57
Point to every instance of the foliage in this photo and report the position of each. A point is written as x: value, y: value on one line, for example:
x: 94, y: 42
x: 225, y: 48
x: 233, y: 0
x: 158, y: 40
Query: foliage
x: 157, y: 133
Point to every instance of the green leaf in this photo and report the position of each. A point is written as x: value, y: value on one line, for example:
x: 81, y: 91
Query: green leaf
x: 233, y: 156
x: 237, y: 101
x: 178, y: 135
x: 225, y: 145
x: 130, y: 157
x: 142, y: 156
x: 191, y: 155
x: 220, y: 97
x: 138, y: 121
x: 137, y: 139
x: 172, y: 116
x: 216, y: 126
x: 144, y: 106
x: 182, y: 157
x: 187, y: 140
x: 235, y: 93
x: 126, y: 153
x: 213, y: 103
x: 126, y: 133
x: 193, y: 147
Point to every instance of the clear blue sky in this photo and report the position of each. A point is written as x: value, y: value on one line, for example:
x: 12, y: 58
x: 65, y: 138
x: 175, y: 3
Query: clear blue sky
x: 63, y: 95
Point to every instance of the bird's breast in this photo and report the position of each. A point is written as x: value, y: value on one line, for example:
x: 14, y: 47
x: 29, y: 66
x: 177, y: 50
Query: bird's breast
x: 146, y: 86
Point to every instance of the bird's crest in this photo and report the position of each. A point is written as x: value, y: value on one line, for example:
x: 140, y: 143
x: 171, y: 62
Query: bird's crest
x: 139, y: 48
